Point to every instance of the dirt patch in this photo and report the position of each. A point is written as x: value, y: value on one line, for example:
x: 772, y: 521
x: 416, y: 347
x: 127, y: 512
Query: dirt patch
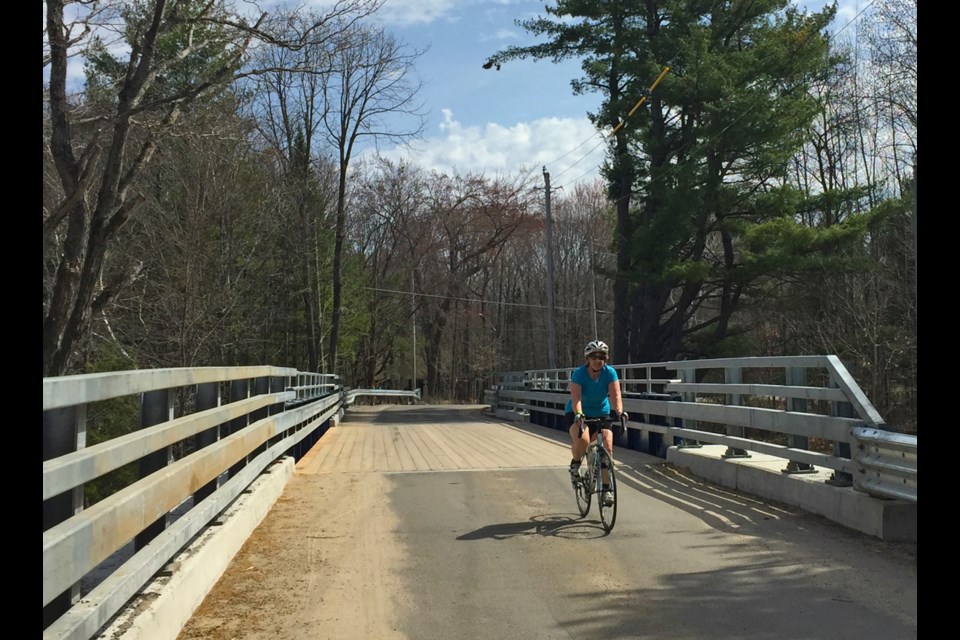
x: 321, y: 565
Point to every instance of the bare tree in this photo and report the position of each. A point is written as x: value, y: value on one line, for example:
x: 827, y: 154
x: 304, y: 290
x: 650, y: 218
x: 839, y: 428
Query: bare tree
x: 857, y: 163
x: 385, y: 202
x: 890, y: 32
x: 584, y: 268
x: 174, y: 54
x: 205, y: 236
x: 289, y: 108
x: 372, y: 93
x: 467, y: 223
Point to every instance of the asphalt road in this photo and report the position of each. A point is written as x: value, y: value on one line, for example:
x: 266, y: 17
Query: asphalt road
x: 500, y: 552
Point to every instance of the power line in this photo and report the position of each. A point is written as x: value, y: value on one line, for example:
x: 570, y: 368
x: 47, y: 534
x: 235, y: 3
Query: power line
x: 479, y: 300
x: 643, y: 98
x: 830, y: 39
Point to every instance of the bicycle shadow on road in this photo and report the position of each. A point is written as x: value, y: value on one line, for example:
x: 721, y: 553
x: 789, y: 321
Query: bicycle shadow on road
x: 558, y: 525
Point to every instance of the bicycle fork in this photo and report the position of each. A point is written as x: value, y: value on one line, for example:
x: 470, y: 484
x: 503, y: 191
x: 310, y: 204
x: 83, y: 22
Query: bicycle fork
x: 595, y: 474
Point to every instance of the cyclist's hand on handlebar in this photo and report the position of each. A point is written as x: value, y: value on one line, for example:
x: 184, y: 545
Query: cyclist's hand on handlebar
x: 578, y: 420
x: 624, y: 416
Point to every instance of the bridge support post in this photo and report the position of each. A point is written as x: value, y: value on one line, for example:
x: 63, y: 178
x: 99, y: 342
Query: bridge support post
x: 208, y: 397
x: 64, y: 431
x: 261, y: 387
x: 734, y: 375
x: 689, y: 376
x: 239, y: 390
x: 156, y: 407
x: 841, y: 449
x: 797, y: 376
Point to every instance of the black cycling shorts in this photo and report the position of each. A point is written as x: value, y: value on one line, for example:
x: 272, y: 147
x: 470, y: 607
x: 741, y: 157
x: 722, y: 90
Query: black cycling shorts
x: 572, y: 417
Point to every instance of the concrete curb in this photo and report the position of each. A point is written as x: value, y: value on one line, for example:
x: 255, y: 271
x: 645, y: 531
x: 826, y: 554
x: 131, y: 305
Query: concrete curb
x: 167, y: 604
x: 761, y: 475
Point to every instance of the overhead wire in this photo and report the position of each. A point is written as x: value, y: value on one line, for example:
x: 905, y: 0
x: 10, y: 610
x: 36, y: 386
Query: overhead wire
x: 477, y: 300
x: 619, y: 125
x: 705, y: 142
x: 643, y: 98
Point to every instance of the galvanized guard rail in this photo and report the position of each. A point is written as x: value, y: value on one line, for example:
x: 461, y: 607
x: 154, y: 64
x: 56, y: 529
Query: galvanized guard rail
x: 807, y: 410
x: 196, y: 438
x: 351, y: 395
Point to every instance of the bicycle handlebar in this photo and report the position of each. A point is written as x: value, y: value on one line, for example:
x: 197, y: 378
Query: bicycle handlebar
x: 605, y: 421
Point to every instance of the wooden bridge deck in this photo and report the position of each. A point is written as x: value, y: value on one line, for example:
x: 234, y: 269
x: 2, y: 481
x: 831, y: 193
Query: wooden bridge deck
x: 398, y: 438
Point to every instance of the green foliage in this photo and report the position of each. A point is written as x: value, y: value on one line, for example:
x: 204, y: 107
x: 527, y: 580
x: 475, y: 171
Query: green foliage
x: 192, y: 47
x: 707, y: 157
x: 784, y: 246
x: 736, y: 344
x: 110, y: 419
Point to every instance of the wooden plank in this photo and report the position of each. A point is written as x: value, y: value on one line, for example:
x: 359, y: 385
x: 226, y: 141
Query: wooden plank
x: 334, y: 457
x: 406, y: 460
x: 364, y: 446
x: 435, y: 459
x: 368, y: 459
x: 351, y: 436
x: 358, y: 434
x: 379, y: 450
x: 448, y: 459
x: 482, y: 445
x: 457, y: 458
x: 391, y: 453
x: 313, y: 459
x: 413, y: 448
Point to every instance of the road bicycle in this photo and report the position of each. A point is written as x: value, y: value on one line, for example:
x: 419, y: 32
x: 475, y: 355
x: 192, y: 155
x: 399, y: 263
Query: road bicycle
x: 589, y: 481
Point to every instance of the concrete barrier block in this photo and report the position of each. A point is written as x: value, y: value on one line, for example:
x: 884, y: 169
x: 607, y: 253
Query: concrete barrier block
x: 763, y: 476
x: 170, y: 600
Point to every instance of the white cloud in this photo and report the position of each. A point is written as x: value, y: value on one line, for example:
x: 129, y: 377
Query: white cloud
x: 506, y: 34
x: 570, y: 148
x: 407, y: 12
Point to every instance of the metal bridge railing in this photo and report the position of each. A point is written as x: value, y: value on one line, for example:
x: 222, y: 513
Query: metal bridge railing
x: 807, y: 410
x: 351, y: 395
x: 193, y: 440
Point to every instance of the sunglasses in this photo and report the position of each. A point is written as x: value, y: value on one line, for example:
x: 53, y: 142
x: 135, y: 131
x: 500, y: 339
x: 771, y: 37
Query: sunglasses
x: 597, y: 356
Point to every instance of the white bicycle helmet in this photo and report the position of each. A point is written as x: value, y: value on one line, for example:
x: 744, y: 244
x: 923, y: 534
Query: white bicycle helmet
x: 595, y: 346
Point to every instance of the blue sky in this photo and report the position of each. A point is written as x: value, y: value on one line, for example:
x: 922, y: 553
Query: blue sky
x: 523, y: 117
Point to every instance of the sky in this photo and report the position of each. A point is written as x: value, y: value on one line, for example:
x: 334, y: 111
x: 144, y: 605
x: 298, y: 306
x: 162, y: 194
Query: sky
x: 521, y: 118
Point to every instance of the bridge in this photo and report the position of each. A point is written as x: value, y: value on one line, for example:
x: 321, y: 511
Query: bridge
x: 761, y: 497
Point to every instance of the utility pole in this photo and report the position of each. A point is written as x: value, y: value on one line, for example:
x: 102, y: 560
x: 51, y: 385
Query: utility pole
x: 413, y: 317
x: 551, y: 319
x: 915, y: 302
x: 593, y: 290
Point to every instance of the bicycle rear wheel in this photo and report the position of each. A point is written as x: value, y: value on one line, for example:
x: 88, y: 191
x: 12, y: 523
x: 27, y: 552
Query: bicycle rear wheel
x: 583, y: 491
x: 608, y: 513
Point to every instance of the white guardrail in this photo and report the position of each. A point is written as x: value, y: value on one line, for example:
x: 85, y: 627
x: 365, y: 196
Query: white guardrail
x: 351, y: 396
x: 805, y: 409
x: 191, y: 440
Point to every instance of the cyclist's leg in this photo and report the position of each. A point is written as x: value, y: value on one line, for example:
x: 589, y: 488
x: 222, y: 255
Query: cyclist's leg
x: 578, y: 442
x: 607, y: 434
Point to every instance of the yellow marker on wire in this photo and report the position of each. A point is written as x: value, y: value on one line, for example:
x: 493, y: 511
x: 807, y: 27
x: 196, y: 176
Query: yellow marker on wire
x: 641, y: 101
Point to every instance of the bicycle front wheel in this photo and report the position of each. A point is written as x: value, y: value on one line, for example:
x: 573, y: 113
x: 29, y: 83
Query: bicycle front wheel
x: 608, y: 508
x: 583, y: 491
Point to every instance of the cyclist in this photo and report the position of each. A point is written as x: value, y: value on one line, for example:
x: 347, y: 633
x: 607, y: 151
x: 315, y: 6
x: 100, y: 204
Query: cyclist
x: 594, y: 393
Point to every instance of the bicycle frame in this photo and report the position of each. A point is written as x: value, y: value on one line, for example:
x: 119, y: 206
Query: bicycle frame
x: 593, y: 483
x: 592, y: 454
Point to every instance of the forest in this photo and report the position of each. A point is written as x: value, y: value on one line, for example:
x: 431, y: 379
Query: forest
x: 206, y: 201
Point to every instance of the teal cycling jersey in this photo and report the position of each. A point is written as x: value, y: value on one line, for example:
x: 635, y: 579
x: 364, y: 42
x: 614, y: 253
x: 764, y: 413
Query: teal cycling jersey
x: 594, y: 393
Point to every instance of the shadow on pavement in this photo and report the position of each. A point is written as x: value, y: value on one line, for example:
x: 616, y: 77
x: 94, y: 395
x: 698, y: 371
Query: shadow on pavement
x: 560, y: 526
